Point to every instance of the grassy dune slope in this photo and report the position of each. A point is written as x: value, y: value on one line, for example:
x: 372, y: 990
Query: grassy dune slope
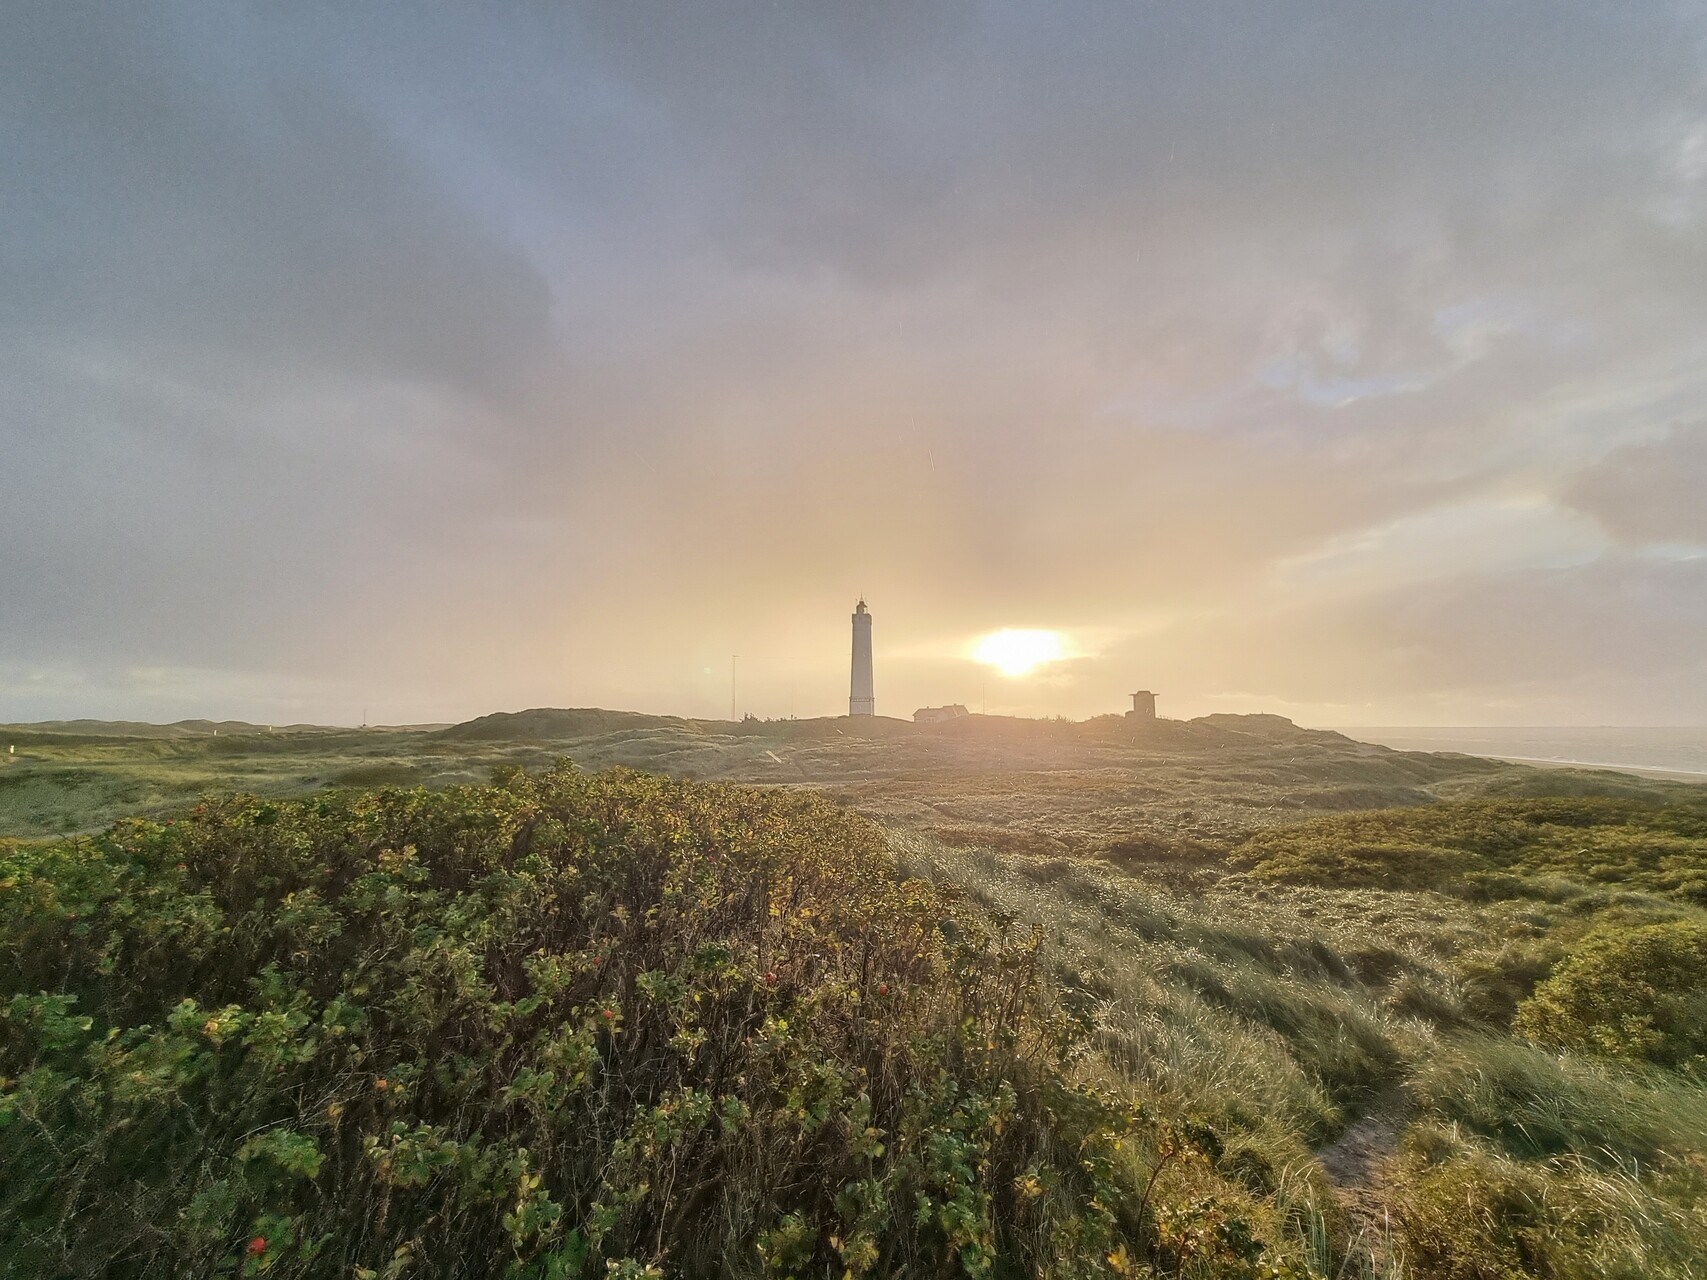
x: 1509, y: 990
x: 1354, y: 1011
x: 1216, y: 778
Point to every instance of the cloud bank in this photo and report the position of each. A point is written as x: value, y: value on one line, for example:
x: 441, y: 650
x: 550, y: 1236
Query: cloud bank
x: 1316, y: 358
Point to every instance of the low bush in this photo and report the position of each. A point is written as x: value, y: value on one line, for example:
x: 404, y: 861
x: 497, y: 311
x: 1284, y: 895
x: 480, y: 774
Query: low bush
x: 1490, y: 849
x: 560, y: 1026
x: 1630, y: 991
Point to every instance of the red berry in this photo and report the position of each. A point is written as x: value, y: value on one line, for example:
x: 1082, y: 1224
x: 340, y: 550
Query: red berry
x: 257, y: 1246
x: 883, y: 988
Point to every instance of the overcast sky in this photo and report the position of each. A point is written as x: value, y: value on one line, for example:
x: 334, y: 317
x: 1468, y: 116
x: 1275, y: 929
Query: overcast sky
x: 1341, y: 360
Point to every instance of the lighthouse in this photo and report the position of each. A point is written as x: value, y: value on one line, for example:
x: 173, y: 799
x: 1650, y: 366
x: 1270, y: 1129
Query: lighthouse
x: 861, y: 700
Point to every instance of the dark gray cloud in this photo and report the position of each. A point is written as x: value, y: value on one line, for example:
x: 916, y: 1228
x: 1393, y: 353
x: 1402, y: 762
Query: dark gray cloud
x: 177, y: 194
x: 1303, y: 355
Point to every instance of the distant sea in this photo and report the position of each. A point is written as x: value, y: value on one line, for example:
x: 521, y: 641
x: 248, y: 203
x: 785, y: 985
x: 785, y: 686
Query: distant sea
x: 1670, y: 751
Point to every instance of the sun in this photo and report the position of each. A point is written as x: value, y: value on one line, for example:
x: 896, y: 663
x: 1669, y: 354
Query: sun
x: 1019, y: 653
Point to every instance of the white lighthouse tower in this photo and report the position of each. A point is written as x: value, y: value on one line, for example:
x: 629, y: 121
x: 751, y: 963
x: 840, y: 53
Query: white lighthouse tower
x: 861, y: 700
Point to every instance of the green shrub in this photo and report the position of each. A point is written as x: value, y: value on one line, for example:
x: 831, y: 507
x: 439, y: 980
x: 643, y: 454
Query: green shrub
x: 1551, y: 848
x: 536, y: 1029
x: 1633, y: 992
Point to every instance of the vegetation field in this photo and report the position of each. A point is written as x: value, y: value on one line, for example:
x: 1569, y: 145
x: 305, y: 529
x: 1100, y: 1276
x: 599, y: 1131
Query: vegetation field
x: 1224, y: 998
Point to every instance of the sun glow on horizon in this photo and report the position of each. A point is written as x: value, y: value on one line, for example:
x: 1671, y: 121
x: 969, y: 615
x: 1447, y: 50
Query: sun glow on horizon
x: 1018, y: 652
